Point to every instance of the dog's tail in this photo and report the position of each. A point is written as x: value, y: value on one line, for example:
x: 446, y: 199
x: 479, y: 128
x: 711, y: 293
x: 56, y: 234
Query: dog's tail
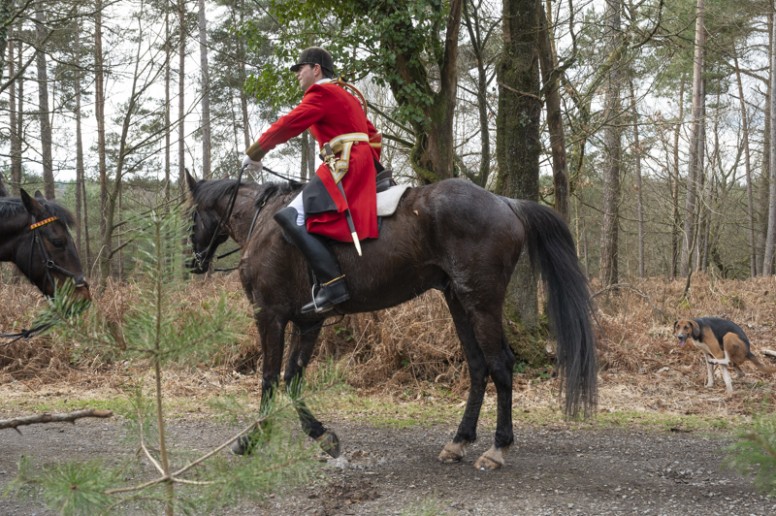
x: 762, y: 367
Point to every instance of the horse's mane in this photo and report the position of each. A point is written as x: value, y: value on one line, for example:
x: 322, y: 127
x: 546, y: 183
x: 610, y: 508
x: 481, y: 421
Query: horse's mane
x: 270, y: 190
x: 13, y: 207
x: 210, y: 192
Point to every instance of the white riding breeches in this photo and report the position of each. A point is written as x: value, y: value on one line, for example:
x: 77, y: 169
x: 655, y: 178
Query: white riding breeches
x: 298, y: 205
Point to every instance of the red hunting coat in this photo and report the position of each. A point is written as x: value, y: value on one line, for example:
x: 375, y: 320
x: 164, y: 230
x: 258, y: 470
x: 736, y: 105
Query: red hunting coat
x: 328, y: 110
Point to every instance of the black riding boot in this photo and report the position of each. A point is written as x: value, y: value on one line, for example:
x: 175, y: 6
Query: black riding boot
x: 333, y: 289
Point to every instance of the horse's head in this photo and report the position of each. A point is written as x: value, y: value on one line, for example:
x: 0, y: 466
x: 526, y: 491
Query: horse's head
x: 47, y: 254
x: 207, y: 230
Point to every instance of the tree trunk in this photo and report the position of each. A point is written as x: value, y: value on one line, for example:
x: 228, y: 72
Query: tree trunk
x: 43, y: 105
x: 181, y: 97
x: 81, y: 221
x: 676, y: 218
x: 770, y: 238
x: 747, y: 170
x: 762, y: 201
x: 203, y: 61
x: 14, y: 118
x: 99, y: 103
x: 432, y: 155
x: 241, y: 58
x: 478, y: 47
x: 639, y: 185
x: 5, y: 27
x: 167, y: 104
x: 695, y: 168
x: 548, y: 61
x: 517, y: 136
x: 610, y: 226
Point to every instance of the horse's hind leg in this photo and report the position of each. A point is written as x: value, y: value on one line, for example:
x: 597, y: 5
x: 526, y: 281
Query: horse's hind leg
x: 467, y: 429
x: 483, y: 313
x: 299, y: 356
x: 500, y: 367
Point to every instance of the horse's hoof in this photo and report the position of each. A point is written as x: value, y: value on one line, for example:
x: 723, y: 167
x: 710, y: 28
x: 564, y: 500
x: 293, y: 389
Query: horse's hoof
x: 329, y: 442
x: 245, y: 444
x: 242, y: 446
x: 490, y: 460
x: 452, y: 452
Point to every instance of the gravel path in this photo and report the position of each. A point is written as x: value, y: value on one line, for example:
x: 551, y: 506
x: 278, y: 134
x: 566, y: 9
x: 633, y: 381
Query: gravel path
x: 550, y: 471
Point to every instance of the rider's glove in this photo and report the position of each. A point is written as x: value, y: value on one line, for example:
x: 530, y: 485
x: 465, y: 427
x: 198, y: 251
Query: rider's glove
x: 252, y: 164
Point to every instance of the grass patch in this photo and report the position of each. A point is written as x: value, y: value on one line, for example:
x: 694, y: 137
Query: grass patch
x: 427, y: 507
x: 385, y: 412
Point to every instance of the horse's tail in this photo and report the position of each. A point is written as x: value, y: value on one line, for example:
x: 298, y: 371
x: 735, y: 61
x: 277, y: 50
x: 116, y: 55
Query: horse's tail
x: 551, y: 249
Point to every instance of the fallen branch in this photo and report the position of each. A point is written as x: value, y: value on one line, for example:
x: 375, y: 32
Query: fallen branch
x: 46, y: 417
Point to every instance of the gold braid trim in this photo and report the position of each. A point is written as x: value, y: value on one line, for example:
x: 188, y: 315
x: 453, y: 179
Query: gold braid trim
x: 43, y: 222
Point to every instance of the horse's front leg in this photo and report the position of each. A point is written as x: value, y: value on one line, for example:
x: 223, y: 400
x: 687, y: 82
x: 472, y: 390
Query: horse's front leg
x: 271, y: 334
x: 301, y: 350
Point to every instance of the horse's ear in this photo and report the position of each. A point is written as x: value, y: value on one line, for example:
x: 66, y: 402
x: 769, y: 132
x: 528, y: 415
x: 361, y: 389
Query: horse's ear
x: 191, y: 181
x: 31, y: 204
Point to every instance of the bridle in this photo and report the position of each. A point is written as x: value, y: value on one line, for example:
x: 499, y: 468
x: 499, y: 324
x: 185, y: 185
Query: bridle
x: 201, y: 256
x: 50, y: 265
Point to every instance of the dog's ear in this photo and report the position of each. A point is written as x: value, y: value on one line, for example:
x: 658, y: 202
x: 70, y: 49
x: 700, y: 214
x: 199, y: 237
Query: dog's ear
x: 676, y: 324
x: 696, y: 328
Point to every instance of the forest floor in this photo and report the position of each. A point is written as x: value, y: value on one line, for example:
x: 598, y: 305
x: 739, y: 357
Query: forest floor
x: 658, y: 445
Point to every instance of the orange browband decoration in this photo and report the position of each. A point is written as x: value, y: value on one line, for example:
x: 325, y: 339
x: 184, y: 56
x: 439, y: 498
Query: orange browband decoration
x: 43, y: 222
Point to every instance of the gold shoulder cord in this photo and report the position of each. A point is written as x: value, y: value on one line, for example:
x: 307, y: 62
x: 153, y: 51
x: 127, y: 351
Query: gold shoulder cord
x: 354, y: 91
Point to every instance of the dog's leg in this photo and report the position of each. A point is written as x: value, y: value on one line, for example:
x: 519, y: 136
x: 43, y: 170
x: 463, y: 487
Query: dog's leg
x: 709, y: 374
x: 728, y: 381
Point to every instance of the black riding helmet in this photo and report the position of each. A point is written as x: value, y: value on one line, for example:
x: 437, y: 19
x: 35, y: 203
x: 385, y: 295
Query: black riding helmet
x: 313, y: 56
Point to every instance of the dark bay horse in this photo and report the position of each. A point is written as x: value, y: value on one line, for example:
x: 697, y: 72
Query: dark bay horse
x: 452, y: 236
x: 34, y: 235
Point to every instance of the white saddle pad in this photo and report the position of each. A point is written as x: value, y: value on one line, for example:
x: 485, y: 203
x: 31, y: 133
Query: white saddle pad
x: 388, y: 200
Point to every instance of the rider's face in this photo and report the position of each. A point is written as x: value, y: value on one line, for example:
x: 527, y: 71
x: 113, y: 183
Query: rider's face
x: 307, y: 75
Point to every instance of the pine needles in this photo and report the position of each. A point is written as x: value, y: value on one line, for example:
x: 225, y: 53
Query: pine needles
x: 156, y: 331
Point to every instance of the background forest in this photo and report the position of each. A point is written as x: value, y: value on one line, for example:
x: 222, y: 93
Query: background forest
x: 646, y: 123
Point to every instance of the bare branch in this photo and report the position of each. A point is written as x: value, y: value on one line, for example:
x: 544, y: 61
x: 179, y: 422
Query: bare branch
x: 47, y: 417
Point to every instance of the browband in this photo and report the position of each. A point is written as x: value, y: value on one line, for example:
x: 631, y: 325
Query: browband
x: 43, y: 222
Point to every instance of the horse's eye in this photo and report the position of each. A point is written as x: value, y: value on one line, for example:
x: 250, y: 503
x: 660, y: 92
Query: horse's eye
x: 58, y: 242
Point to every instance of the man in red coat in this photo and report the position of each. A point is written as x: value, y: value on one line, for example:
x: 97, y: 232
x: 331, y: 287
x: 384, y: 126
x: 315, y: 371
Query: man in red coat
x: 336, y: 117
